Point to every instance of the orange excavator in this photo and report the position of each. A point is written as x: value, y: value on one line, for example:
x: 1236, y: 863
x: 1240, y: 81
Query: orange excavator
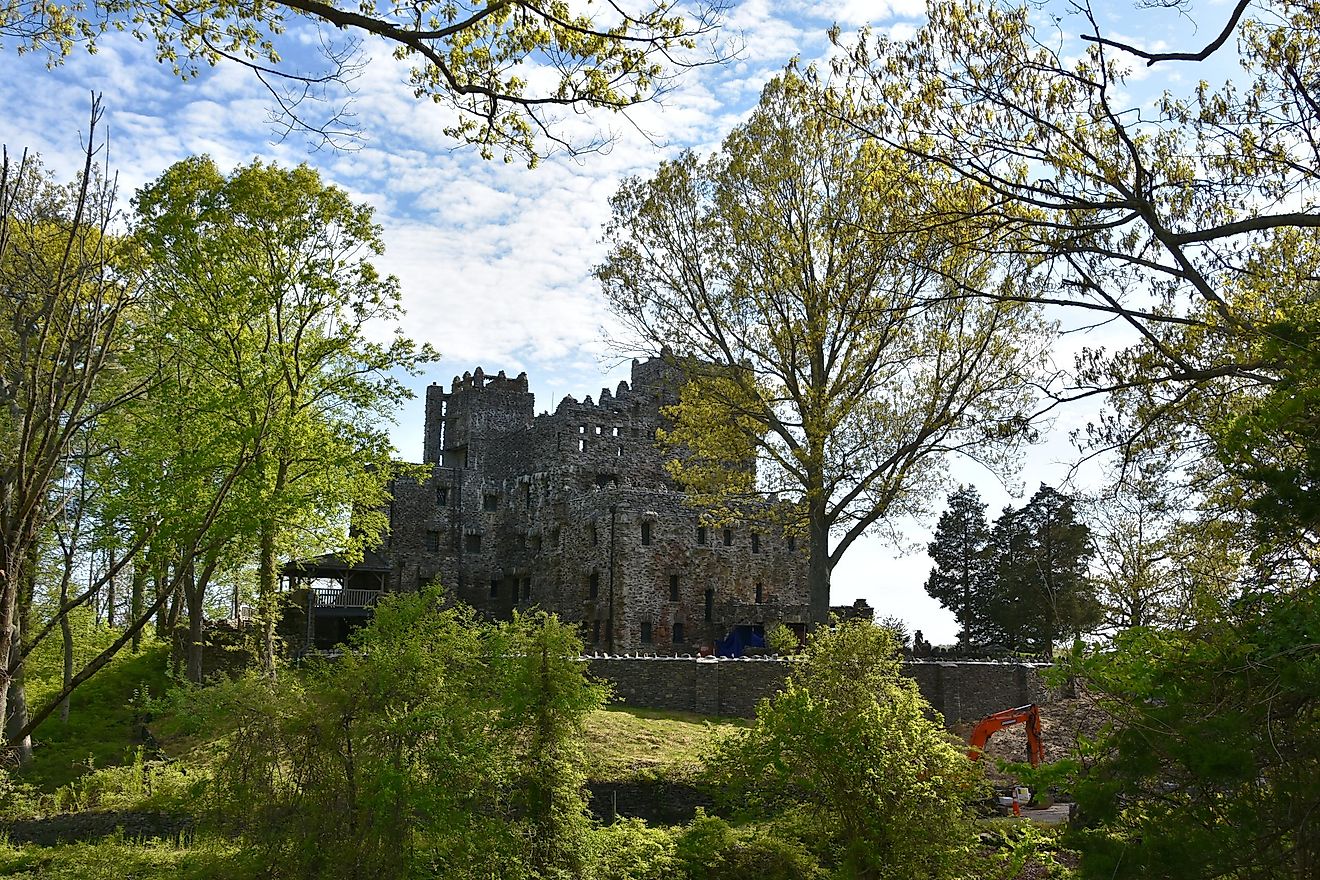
x: 1028, y: 715
x: 991, y: 724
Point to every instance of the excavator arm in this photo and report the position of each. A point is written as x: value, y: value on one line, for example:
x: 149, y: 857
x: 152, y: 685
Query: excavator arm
x: 1028, y: 715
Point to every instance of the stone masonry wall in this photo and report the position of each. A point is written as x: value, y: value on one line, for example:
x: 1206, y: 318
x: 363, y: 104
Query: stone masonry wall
x: 961, y: 691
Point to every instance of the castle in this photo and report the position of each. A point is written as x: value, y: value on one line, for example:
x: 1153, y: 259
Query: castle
x: 572, y: 512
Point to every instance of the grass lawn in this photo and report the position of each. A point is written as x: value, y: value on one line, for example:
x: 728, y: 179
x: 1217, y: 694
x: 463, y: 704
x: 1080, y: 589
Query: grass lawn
x: 624, y: 743
x: 101, y: 731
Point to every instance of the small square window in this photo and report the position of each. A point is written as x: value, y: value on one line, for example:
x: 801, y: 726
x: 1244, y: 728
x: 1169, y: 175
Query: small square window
x: 616, y: 431
x: 490, y: 502
x: 646, y: 534
x: 728, y: 537
x: 473, y: 543
x: 600, y: 429
x: 494, y: 588
x: 432, y: 542
x: 646, y: 632
x: 673, y: 588
x: 582, y: 429
x: 678, y: 632
x: 442, y: 496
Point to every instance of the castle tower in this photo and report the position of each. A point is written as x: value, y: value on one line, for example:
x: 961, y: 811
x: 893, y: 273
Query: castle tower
x: 476, y: 409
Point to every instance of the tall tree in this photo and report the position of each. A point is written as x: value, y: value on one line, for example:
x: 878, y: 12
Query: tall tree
x: 814, y: 338
x: 1193, y: 219
x: 63, y: 292
x: 262, y: 293
x: 963, y: 578
x: 1044, y: 591
x: 506, y: 71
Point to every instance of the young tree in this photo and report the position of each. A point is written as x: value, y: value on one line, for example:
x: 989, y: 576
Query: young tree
x: 814, y: 337
x: 64, y: 291
x: 506, y: 71
x: 261, y: 292
x: 1043, y: 587
x: 852, y: 743
x: 962, y: 578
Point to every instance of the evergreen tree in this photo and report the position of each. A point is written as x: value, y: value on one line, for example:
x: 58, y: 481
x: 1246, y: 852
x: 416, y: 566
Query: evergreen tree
x: 1043, y: 590
x: 962, y: 579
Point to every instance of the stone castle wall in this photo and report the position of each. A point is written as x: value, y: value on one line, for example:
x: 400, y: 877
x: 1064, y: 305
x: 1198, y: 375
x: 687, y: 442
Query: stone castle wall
x: 960, y: 691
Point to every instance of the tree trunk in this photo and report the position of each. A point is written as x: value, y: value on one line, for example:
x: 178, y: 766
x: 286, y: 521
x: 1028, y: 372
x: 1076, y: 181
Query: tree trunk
x: 110, y: 592
x: 194, y: 592
x: 158, y: 575
x: 20, y: 746
x: 818, y: 567
x: 268, y: 576
x: 266, y: 596
x: 140, y: 575
x: 66, y: 637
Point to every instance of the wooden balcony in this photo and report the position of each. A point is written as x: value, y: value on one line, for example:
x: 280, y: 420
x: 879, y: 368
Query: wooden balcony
x: 328, y: 597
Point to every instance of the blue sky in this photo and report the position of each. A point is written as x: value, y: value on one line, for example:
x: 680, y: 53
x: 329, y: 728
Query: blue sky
x: 495, y: 259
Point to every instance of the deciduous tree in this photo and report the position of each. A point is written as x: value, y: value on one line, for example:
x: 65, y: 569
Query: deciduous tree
x: 504, y: 72
x: 813, y: 330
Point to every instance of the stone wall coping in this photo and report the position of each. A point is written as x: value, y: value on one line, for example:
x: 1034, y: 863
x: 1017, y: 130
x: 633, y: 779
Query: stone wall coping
x: 1034, y: 664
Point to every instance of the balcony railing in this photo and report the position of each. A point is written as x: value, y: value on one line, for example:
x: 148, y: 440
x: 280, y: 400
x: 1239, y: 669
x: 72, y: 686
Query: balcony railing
x: 325, y: 597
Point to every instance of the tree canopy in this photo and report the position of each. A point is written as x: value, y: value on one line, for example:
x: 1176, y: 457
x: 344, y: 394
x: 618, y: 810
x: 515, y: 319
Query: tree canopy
x: 823, y: 362
x: 503, y: 72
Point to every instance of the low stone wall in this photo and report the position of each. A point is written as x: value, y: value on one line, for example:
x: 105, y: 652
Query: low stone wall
x: 960, y: 691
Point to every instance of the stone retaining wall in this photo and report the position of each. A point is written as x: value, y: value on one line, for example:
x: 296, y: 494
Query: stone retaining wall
x: 960, y: 691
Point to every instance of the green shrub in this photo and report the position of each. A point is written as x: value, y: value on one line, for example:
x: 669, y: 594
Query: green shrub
x: 710, y: 849
x: 781, y: 640
x: 632, y: 850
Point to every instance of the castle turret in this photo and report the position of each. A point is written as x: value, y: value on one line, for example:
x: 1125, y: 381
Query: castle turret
x: 476, y: 409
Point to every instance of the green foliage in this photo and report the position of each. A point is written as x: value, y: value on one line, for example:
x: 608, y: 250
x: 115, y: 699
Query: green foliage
x: 1208, y: 769
x: 821, y: 335
x: 961, y: 577
x: 478, y: 60
x: 709, y: 849
x: 629, y: 849
x: 205, y: 858
x: 104, y: 716
x: 851, y: 741
x: 781, y: 640
x: 435, y: 740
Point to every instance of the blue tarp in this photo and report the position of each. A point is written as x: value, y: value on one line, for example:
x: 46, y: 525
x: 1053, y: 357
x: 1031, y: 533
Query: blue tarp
x: 739, y: 639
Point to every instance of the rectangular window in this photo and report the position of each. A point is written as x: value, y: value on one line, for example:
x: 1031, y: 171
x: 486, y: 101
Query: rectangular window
x: 646, y: 632
x: 490, y: 502
x: 792, y: 544
x: 527, y: 589
x: 728, y: 537
x: 582, y: 429
x: 673, y: 588
x: 595, y: 632
x: 582, y: 445
x: 646, y: 534
x: 494, y: 588
x: 678, y: 632
x: 616, y: 431
x: 442, y: 496
x: 701, y: 535
x: 593, y: 585
x: 595, y: 535
x: 473, y: 543
x: 710, y: 605
x: 432, y: 542
x: 760, y: 593
x: 756, y: 543
x: 600, y: 429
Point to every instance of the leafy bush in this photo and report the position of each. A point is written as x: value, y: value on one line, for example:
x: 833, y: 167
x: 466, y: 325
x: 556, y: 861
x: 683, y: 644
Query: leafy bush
x: 631, y: 850
x: 710, y: 849
x: 851, y: 741
x: 436, y: 743
x: 781, y: 640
